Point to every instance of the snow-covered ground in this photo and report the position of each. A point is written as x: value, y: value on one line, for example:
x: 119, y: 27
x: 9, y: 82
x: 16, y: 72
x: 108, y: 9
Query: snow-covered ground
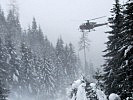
x: 80, y: 93
x: 114, y: 96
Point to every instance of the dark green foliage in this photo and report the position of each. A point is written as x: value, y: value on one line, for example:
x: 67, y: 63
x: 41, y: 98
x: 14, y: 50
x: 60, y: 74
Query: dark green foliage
x: 113, y: 45
x: 127, y: 51
x: 119, y: 65
x: 90, y: 93
x: 98, y: 76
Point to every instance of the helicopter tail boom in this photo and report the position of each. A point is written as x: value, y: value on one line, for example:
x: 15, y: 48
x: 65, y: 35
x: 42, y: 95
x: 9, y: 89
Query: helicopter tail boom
x: 97, y: 25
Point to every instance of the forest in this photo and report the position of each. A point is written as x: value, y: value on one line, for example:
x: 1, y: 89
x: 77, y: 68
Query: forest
x: 32, y: 68
x: 30, y: 64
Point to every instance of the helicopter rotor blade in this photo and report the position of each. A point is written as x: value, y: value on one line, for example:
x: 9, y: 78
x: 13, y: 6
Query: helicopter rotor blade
x: 96, y: 18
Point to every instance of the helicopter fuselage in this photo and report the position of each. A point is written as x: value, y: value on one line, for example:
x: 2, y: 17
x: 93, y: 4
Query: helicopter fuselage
x: 90, y: 26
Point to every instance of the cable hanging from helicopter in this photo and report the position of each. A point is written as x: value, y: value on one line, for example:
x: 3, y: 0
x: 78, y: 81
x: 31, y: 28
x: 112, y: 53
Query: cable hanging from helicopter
x: 88, y: 26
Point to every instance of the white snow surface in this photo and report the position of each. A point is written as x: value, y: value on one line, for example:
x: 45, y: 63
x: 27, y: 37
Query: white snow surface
x: 73, y: 98
x: 128, y: 49
x: 93, y: 85
x: 15, y: 78
x: 81, y: 94
x: 114, y: 96
x: 76, y: 84
x: 100, y: 94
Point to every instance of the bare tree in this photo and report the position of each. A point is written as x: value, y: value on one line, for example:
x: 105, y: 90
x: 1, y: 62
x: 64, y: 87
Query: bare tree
x: 84, y: 45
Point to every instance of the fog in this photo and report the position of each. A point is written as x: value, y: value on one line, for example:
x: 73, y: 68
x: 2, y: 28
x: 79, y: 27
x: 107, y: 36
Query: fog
x: 63, y: 17
x: 57, y: 18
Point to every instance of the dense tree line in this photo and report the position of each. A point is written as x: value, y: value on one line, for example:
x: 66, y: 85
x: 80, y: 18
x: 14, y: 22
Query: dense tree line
x: 30, y: 64
x: 118, y: 76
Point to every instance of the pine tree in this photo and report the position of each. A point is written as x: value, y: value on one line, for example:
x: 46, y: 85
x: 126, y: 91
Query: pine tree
x: 67, y: 65
x: 37, y: 70
x: 4, y: 64
x: 47, y: 48
x: 127, y: 52
x: 66, y: 68
x: 47, y: 80
x: 98, y: 76
x: 36, y: 39
x: 72, y: 68
x: 83, y: 45
x: 3, y: 28
x: 27, y: 81
x: 32, y: 32
x: 60, y: 70
x: 60, y: 48
x: 113, y: 57
x: 34, y: 25
x: 14, y: 63
x: 14, y: 28
x: 90, y: 92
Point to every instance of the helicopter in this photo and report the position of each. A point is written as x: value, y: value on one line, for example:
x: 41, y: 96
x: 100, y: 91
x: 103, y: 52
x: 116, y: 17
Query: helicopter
x: 91, y: 25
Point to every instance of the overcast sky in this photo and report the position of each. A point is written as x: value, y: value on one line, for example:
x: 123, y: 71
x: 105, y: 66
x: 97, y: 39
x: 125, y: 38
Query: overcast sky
x: 63, y: 17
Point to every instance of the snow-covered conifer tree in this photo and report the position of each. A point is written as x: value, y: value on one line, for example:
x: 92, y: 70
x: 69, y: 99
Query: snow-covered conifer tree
x: 126, y: 69
x: 113, y: 57
x: 27, y: 81
x: 14, y: 28
x: 14, y: 63
x: 4, y: 64
x: 60, y: 70
x: 47, y: 79
x: 3, y: 28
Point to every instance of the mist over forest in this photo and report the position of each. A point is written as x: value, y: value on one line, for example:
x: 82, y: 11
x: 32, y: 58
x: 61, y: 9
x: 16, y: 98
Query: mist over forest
x: 34, y: 67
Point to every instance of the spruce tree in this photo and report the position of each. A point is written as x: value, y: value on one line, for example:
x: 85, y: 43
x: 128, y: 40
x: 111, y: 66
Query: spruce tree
x: 127, y: 52
x: 47, y: 48
x: 59, y: 70
x: 34, y: 25
x: 72, y: 68
x: 84, y: 45
x: 67, y: 66
x: 14, y: 63
x: 37, y: 70
x: 98, y: 77
x: 3, y: 28
x: 27, y: 81
x: 4, y: 63
x: 90, y: 92
x: 36, y: 39
x: 14, y: 28
x: 47, y: 79
x: 113, y: 58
